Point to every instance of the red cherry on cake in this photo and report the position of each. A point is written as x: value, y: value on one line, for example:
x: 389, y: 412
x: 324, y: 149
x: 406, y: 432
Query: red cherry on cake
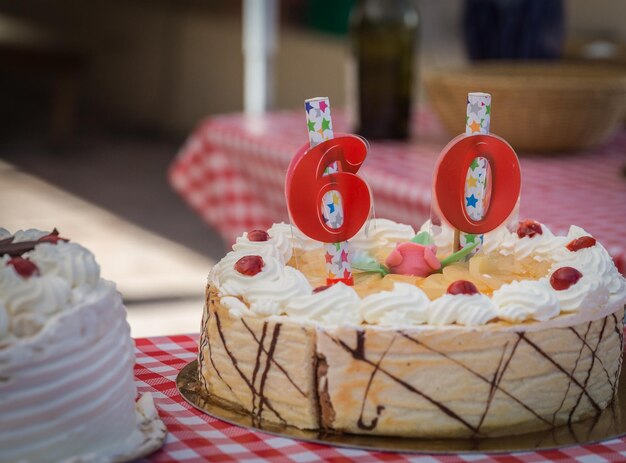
x: 581, y: 243
x: 462, y: 287
x: 258, y: 235
x: 529, y: 228
x: 565, y: 277
x: 319, y: 289
x: 52, y: 238
x: 24, y: 267
x: 249, y: 265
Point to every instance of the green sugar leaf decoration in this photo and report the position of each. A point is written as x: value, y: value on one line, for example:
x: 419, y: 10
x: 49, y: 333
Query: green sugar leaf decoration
x: 457, y: 256
x: 423, y: 238
x: 367, y: 263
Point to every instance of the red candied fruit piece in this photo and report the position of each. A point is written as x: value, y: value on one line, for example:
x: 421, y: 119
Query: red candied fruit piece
x: 529, y: 228
x: 24, y: 267
x: 258, y: 235
x: 52, y: 238
x: 565, y: 277
x: 581, y: 243
x: 249, y: 265
x: 319, y: 289
x: 462, y: 287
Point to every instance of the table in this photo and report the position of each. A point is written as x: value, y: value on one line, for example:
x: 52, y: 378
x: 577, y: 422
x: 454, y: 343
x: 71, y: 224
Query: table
x: 195, y: 437
x: 231, y: 171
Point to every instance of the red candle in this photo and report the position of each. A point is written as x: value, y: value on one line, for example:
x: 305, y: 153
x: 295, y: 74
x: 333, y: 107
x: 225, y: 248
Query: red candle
x: 306, y: 184
x: 449, y: 182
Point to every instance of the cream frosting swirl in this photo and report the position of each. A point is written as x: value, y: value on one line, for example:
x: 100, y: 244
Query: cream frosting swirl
x: 494, y: 239
x: 43, y: 294
x: 278, y: 242
x: 8, y: 275
x: 463, y: 309
x: 31, y: 301
x: 268, y: 291
x: 70, y: 261
x: 540, y: 247
x: 5, y: 322
x: 377, y: 233
x: 337, y: 305
x: 262, y: 248
x: 406, y: 304
x: 235, y: 306
x: 520, y: 301
x: 30, y: 234
x: 594, y: 260
x: 589, y: 294
x: 442, y: 235
x: 297, y: 239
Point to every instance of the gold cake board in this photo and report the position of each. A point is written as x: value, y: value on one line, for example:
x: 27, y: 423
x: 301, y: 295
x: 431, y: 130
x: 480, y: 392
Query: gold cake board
x: 610, y: 423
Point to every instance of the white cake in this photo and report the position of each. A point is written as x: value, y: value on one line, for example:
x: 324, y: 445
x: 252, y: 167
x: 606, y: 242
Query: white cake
x: 66, y: 358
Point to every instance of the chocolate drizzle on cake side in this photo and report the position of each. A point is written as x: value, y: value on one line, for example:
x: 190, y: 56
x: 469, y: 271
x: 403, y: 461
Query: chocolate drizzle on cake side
x: 359, y: 354
x: 570, y: 375
x: 273, y: 360
x: 619, y: 329
x: 205, y: 345
x: 577, y: 388
x: 494, y: 383
x: 325, y: 411
x: 258, y: 398
x: 379, y: 408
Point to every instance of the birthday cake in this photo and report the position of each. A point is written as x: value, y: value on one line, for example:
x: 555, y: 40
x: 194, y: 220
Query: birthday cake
x: 527, y: 335
x: 67, y: 387
x: 475, y: 326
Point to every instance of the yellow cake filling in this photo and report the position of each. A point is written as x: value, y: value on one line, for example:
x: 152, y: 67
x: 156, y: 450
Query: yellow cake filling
x: 487, y: 271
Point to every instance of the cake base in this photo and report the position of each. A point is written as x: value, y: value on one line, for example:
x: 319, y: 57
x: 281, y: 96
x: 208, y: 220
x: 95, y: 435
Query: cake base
x: 610, y: 423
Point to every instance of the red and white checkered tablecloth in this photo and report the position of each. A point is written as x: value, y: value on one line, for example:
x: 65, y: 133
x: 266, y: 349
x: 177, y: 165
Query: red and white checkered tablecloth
x: 232, y: 169
x: 196, y: 437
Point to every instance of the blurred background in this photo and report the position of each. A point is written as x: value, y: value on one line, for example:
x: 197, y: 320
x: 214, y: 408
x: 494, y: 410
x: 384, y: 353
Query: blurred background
x: 98, y: 98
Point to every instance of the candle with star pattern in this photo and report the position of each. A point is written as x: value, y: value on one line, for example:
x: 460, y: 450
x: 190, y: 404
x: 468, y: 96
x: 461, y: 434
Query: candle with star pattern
x: 337, y: 255
x: 477, y: 122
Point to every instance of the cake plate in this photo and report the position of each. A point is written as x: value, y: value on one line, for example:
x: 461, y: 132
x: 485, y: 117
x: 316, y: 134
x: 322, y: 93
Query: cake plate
x: 608, y: 424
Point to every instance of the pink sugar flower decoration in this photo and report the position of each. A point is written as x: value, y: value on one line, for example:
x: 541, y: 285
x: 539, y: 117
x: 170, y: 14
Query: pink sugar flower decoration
x: 413, y: 259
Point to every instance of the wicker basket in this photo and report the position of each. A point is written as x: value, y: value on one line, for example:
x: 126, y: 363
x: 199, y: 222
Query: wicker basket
x: 538, y: 107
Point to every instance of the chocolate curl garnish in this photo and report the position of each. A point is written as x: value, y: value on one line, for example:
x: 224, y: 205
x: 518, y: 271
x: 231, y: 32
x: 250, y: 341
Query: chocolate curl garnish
x: 7, y: 246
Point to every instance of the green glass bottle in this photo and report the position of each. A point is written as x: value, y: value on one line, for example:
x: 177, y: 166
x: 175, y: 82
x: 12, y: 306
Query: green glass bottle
x: 383, y: 42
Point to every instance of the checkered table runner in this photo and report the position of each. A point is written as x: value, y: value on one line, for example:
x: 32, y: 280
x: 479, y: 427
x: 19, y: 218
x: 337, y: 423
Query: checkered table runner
x: 195, y: 437
x: 232, y: 170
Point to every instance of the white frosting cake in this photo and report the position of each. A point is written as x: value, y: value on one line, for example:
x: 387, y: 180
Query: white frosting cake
x: 66, y: 357
x: 402, y: 355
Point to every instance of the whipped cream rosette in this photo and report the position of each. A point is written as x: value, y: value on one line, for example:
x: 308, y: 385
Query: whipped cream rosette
x: 405, y: 304
x: 380, y: 234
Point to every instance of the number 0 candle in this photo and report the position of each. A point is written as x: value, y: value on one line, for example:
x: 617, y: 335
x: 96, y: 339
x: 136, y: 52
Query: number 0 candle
x: 450, y: 182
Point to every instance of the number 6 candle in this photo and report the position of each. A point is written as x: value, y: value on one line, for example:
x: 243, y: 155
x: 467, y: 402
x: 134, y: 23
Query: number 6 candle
x: 327, y: 201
